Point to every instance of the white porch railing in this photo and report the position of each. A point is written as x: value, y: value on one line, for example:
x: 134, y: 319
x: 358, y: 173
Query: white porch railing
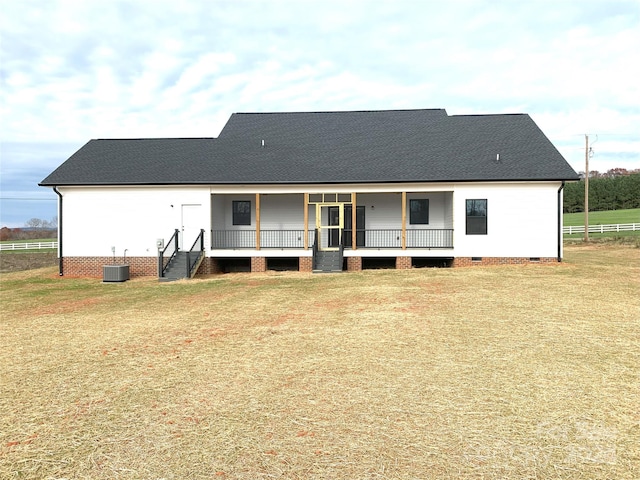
x: 28, y: 245
x: 618, y: 227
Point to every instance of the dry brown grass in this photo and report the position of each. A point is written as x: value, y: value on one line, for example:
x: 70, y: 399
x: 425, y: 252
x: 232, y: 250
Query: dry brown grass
x: 502, y: 372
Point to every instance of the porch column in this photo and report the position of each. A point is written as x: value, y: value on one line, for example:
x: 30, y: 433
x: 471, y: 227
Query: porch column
x: 404, y: 220
x: 306, y: 221
x: 354, y: 245
x: 257, y: 221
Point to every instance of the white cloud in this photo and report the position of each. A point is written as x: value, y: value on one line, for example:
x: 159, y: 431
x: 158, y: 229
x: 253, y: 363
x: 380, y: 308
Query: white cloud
x: 72, y: 70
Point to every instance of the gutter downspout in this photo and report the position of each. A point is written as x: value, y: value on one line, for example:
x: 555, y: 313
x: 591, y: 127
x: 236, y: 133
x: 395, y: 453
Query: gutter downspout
x: 60, y: 223
x: 560, y: 235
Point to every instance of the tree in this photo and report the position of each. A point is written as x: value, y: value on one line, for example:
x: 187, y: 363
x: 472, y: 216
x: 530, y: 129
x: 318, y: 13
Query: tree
x: 574, y: 197
x: 616, y: 172
x: 611, y: 191
x: 34, y: 223
x: 38, y: 228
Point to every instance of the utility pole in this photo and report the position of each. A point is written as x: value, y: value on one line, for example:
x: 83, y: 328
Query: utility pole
x: 586, y: 188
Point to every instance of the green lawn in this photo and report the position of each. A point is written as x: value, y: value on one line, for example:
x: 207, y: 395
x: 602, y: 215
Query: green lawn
x: 35, y: 240
x: 631, y: 215
x: 31, y: 250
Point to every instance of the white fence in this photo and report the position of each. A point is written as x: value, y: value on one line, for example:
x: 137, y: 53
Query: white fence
x: 28, y: 245
x: 618, y: 227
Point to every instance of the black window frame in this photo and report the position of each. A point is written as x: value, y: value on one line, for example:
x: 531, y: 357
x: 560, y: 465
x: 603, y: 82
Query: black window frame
x: 476, y: 214
x: 414, y: 215
x: 241, y: 212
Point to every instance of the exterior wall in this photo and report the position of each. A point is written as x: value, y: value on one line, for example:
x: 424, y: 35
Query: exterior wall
x: 522, y: 220
x: 98, y: 218
x: 138, y: 266
x: 448, y: 211
x: 281, y: 212
x: 491, y: 261
x: 440, y: 209
x: 92, y: 266
x: 382, y: 210
x: 277, y: 212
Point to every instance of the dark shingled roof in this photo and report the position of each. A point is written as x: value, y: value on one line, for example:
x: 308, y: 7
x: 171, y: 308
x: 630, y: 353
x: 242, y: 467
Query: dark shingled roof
x: 328, y: 147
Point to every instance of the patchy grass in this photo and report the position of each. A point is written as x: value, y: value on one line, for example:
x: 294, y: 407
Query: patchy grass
x: 17, y: 260
x: 500, y: 372
x: 610, y: 238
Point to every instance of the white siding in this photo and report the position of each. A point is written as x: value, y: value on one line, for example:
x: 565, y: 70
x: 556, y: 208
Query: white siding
x: 440, y: 210
x: 448, y: 211
x: 96, y: 219
x: 522, y: 217
x: 222, y: 212
x: 277, y: 212
x: 382, y: 210
x: 282, y: 212
x: 522, y: 220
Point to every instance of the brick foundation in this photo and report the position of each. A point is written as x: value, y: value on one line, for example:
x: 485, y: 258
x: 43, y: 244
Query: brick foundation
x: 209, y: 266
x: 258, y: 264
x: 488, y: 261
x: 305, y: 264
x: 92, y: 266
x: 403, y: 263
x: 354, y: 264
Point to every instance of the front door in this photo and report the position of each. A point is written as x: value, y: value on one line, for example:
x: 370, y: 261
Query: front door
x: 334, y: 221
x: 190, y: 225
x: 329, y: 222
x: 348, y: 221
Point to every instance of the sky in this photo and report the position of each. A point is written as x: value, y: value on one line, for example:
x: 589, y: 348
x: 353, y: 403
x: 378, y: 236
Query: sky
x: 71, y: 71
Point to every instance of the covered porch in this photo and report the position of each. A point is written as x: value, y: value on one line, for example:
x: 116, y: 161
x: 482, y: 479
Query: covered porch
x: 351, y: 221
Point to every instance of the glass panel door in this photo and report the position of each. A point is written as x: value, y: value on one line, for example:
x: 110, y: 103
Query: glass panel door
x: 329, y: 222
x: 360, y: 213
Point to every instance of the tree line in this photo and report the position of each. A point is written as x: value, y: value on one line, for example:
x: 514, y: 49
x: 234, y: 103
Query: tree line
x: 33, y: 228
x: 614, y: 190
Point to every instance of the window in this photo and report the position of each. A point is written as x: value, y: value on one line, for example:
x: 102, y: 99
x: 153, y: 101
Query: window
x: 477, y: 217
x: 419, y: 211
x: 241, y: 212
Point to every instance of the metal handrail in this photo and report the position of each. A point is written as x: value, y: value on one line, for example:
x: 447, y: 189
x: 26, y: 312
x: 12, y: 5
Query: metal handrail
x: 341, y: 251
x: 316, y: 237
x: 370, y: 238
x: 416, y: 238
x: 199, y: 239
x: 162, y: 265
x: 246, y: 239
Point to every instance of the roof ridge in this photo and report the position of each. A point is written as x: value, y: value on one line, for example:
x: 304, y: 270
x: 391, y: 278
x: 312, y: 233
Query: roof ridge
x: 157, y: 138
x: 345, y: 111
x: 488, y: 114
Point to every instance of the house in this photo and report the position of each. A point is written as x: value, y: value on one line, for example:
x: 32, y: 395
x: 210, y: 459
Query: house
x: 316, y: 190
